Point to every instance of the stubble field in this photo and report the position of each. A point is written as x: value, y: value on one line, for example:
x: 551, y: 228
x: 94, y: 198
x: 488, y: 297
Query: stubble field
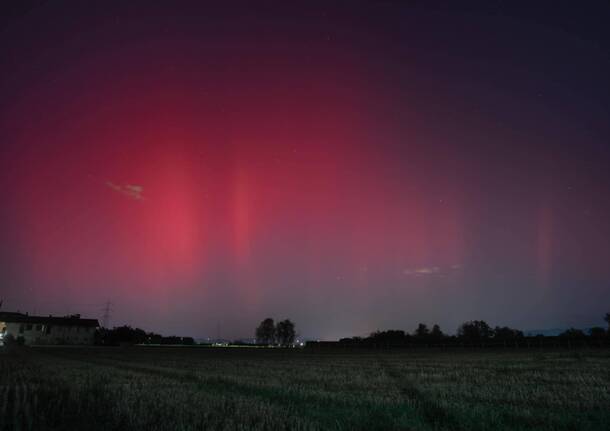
x: 153, y: 388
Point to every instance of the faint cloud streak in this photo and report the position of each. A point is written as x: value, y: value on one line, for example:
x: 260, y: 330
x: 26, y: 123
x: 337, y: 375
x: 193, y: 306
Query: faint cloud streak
x: 132, y: 191
x: 431, y: 270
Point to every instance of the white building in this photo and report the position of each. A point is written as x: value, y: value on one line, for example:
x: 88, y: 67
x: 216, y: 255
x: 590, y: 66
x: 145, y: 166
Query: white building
x: 47, y: 330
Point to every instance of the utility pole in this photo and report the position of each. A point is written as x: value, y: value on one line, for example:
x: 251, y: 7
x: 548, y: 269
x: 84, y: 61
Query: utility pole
x: 106, y: 315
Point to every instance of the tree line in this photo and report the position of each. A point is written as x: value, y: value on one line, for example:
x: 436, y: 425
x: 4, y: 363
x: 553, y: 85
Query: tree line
x: 473, y: 333
x: 126, y: 335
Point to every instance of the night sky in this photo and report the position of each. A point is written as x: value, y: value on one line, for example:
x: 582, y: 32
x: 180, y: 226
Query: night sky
x: 350, y: 165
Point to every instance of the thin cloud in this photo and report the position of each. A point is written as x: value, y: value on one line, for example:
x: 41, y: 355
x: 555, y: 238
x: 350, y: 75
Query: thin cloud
x: 425, y: 270
x: 430, y: 270
x: 130, y: 190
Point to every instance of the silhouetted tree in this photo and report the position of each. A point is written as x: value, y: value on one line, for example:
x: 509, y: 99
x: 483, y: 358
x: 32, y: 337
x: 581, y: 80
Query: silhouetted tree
x: 389, y: 338
x: 475, y: 330
x: 506, y: 334
x: 597, y: 333
x: 436, y: 334
x: 172, y: 340
x: 422, y: 331
x: 573, y: 334
x: 607, y: 319
x: 152, y: 338
x: 285, y: 333
x: 123, y: 335
x: 265, y: 333
x: 188, y: 341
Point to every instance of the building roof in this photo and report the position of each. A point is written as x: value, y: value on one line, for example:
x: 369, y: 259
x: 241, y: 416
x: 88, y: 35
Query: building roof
x: 74, y: 320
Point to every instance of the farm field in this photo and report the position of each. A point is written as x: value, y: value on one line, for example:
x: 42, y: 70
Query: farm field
x: 165, y: 388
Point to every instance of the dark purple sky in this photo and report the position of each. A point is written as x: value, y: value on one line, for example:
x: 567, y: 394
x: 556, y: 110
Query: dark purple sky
x: 350, y: 165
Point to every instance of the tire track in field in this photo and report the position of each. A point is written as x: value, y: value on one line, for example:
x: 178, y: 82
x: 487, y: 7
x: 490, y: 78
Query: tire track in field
x: 431, y: 411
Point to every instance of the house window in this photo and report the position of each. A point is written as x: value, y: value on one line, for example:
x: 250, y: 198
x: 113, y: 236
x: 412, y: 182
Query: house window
x: 21, y: 328
x: 48, y: 329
